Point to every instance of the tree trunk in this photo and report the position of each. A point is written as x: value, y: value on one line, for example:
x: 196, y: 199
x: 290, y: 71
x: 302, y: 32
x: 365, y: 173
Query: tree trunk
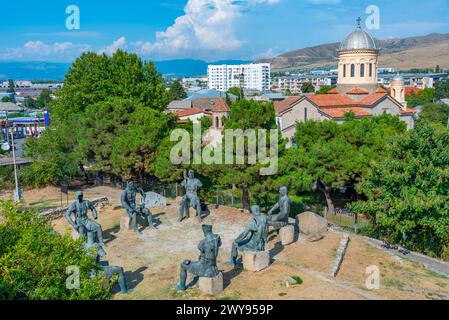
x: 327, y: 194
x: 245, y: 197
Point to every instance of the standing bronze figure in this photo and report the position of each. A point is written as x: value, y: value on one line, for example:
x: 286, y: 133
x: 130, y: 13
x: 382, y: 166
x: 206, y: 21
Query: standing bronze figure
x: 191, y: 199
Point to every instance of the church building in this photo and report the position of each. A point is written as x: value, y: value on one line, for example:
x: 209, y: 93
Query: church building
x: 357, y: 90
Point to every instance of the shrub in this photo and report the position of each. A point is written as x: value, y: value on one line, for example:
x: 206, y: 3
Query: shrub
x: 34, y: 258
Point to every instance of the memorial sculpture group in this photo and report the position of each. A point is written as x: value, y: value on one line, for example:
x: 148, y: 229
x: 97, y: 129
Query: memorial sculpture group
x: 251, y: 243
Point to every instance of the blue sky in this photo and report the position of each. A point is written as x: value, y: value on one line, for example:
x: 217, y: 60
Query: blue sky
x: 201, y: 29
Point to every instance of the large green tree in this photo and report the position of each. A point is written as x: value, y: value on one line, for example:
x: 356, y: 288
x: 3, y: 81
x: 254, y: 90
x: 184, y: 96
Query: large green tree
x: 408, y: 192
x: 334, y: 156
x: 177, y: 91
x: 434, y: 113
x: 442, y: 89
x: 108, y: 117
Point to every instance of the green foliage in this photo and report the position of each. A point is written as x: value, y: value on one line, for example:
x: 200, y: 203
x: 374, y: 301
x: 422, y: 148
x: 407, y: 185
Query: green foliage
x: 238, y: 92
x: 425, y: 96
x: 6, y: 177
x: 307, y: 87
x: 41, y: 102
x: 6, y: 99
x: 434, y: 113
x: 40, y: 174
x: 442, y: 89
x: 407, y: 193
x: 177, y: 91
x: 33, y: 260
x: 336, y: 156
x: 108, y: 117
x: 325, y: 89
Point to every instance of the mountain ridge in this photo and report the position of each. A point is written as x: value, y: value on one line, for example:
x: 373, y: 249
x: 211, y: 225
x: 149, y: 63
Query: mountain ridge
x: 326, y: 54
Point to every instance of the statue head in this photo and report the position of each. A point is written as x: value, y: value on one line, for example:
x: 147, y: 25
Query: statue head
x: 207, y: 229
x: 283, y: 191
x: 79, y: 196
x: 191, y: 174
x: 255, y: 210
x: 130, y: 185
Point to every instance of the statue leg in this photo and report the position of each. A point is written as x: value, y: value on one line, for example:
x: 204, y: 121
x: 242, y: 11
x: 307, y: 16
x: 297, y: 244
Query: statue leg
x: 111, y: 271
x: 183, y: 276
x: 147, y: 213
x: 234, y: 254
x: 96, y: 228
x: 133, y: 216
x: 199, y: 211
x: 181, y: 210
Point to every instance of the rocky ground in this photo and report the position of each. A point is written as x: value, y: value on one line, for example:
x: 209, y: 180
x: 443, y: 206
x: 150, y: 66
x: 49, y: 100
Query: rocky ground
x: 152, y: 259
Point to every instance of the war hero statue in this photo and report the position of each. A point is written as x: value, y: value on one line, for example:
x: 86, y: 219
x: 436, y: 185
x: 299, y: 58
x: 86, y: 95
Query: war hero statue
x: 206, y: 266
x: 128, y: 201
x: 254, y: 238
x: 191, y: 184
x: 82, y: 223
x: 98, y: 252
x: 280, y: 220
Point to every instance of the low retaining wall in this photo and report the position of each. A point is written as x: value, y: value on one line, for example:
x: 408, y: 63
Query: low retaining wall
x: 57, y: 213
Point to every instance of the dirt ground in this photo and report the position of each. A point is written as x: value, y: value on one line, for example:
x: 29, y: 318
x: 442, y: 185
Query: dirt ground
x: 151, y: 260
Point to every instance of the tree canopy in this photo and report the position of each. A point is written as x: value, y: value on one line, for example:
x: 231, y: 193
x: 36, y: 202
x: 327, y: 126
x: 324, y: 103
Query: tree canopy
x: 408, y: 192
x: 177, y: 91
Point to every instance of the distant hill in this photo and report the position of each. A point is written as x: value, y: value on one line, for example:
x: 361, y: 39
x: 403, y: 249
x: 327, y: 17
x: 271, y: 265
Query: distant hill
x: 32, y: 70
x: 414, y: 52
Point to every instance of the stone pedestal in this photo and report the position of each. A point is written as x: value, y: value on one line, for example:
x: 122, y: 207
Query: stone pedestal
x: 125, y: 223
x: 287, y: 235
x: 256, y: 261
x: 211, y: 286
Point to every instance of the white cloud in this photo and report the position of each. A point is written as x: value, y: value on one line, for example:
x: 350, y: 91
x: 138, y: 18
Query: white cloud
x: 35, y: 50
x: 207, y: 28
x: 120, y: 43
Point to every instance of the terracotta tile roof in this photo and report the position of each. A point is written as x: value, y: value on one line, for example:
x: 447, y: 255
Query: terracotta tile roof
x: 338, y: 113
x: 188, y: 112
x: 331, y: 100
x: 381, y: 90
x: 408, y: 111
x: 357, y: 90
x: 211, y: 104
x: 409, y: 90
x: 281, y: 106
x: 372, y: 98
x: 333, y: 91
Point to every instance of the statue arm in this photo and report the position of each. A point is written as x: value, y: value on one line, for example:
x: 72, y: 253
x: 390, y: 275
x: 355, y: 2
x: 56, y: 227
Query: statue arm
x: 275, y: 207
x: 93, y: 209
x: 143, y: 194
x: 68, y: 216
x: 124, y: 202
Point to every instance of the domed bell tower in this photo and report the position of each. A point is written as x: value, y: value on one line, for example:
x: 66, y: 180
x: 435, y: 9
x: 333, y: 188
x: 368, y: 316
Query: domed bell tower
x: 358, y: 61
x: 398, y: 90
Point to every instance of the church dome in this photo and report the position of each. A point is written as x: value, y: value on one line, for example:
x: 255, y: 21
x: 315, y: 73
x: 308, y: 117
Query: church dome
x: 358, y: 40
x: 398, y: 77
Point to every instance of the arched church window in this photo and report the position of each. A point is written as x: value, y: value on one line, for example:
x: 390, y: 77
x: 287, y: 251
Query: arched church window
x: 362, y: 70
x: 370, y: 69
x: 352, y: 70
x: 217, y: 122
x: 344, y: 71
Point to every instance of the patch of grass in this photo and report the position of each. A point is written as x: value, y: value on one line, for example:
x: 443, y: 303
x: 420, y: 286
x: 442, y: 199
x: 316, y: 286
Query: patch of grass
x: 395, y: 283
x: 437, y: 275
x: 282, y: 294
x: 434, y: 296
x: 298, y: 280
x: 441, y: 284
x: 188, y: 294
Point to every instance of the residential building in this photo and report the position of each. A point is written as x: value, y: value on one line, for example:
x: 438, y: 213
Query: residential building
x: 246, y: 76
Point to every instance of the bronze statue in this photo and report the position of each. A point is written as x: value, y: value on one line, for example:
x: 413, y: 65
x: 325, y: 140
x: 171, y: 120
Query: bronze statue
x: 191, y: 184
x: 206, y: 267
x: 82, y: 224
x: 283, y: 205
x: 128, y: 201
x: 109, y: 271
x: 254, y: 238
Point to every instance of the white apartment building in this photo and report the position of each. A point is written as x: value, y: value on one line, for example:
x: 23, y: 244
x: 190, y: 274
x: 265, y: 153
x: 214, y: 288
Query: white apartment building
x: 247, y: 76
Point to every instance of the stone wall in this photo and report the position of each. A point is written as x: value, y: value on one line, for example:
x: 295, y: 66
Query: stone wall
x: 57, y: 213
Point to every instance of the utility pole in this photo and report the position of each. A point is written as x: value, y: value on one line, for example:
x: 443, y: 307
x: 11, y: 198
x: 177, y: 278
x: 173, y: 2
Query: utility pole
x: 16, y: 194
